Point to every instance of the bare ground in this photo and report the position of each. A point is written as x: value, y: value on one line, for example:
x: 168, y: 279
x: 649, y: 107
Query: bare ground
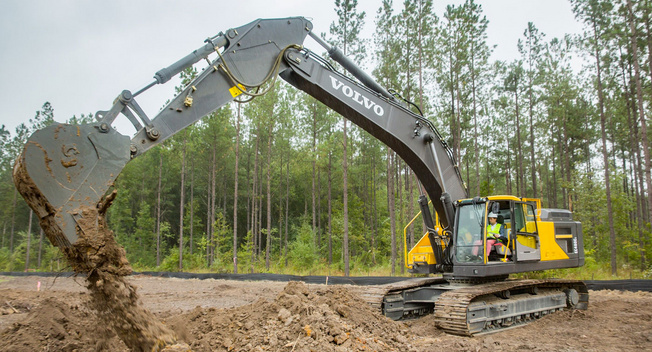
x: 220, y: 315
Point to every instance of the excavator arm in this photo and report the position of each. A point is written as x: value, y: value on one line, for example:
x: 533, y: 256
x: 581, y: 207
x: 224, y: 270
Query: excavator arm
x: 64, y: 168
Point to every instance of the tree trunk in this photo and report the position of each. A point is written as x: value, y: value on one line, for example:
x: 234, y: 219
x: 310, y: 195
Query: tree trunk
x: 567, y: 167
x: 235, y: 193
x: 13, y: 222
x: 319, y: 209
x: 254, y: 203
x: 211, y: 205
x: 330, y: 209
x: 648, y: 30
x: 280, y: 206
x: 401, y: 209
x: 4, y: 234
x: 453, y: 122
x: 420, y: 43
x: 410, y: 202
x: 287, y: 209
x: 475, y: 126
x: 641, y: 111
x: 612, y: 233
x: 40, y: 247
x: 314, y: 161
x: 182, y: 201
x: 260, y: 211
x: 192, y: 201
x: 269, y: 196
x: 554, y: 178
x: 248, y: 192
x: 508, y: 174
x: 29, y: 239
x: 634, y: 155
x: 392, y: 214
x: 374, y: 225
x: 158, y: 211
x: 458, y: 120
x: 520, y: 187
x: 224, y: 192
x: 533, y: 173
x: 548, y: 195
x: 345, y: 201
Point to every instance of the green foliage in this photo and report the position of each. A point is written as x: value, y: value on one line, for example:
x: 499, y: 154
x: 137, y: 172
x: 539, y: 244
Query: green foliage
x: 141, y: 246
x: 245, y: 253
x: 5, y: 259
x: 303, y: 251
x: 222, y: 235
x: 193, y: 263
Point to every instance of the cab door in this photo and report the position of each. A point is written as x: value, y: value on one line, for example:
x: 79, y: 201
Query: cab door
x: 524, y: 226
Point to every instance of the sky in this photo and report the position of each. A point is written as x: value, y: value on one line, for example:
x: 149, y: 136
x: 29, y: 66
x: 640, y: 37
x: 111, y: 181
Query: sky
x: 79, y: 55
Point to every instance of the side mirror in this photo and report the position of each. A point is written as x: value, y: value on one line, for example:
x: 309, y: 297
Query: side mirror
x: 495, y: 207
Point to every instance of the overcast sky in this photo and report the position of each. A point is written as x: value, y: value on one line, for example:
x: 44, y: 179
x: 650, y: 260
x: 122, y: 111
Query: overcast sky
x: 79, y: 55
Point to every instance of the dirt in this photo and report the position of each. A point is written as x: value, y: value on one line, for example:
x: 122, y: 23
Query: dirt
x: 220, y: 315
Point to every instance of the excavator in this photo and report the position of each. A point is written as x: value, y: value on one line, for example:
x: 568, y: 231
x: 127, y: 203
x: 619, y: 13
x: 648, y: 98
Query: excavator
x: 65, y: 168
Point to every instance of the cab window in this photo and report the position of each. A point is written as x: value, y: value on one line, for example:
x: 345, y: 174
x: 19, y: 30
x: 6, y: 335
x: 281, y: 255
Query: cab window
x: 470, y: 223
x: 524, y: 218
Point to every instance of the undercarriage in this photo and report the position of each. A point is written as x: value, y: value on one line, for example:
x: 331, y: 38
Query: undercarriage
x: 472, y: 309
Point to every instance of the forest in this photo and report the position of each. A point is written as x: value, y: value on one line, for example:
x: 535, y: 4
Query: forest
x: 283, y: 184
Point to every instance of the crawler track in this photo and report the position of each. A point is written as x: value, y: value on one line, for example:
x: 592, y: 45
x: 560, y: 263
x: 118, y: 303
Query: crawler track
x: 478, y: 309
x: 375, y: 294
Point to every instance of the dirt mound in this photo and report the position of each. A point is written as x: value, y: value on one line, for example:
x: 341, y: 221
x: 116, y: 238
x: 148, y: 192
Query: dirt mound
x: 299, y: 319
x: 52, y: 325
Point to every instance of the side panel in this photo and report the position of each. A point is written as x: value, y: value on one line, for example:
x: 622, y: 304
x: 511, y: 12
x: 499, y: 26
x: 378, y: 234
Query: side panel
x: 550, y: 248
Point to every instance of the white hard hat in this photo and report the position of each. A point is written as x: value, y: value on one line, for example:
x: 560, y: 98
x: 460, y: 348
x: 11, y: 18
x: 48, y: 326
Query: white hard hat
x: 492, y: 215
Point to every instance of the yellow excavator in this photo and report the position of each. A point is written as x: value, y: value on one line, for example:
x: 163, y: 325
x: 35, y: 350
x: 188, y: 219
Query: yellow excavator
x: 64, y: 169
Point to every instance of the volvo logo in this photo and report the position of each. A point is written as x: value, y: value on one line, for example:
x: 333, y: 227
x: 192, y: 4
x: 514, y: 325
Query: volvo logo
x: 357, y: 97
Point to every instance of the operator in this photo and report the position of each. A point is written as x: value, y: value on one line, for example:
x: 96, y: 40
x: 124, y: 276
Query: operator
x: 495, y: 231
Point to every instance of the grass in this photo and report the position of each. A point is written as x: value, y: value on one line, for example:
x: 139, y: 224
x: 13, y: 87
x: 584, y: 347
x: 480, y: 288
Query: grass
x: 590, y: 271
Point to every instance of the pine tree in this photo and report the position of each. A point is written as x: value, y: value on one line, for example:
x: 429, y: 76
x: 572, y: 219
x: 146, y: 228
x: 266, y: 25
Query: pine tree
x: 345, y: 34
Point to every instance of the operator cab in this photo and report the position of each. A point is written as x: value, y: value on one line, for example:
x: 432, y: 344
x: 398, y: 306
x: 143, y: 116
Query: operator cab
x: 475, y: 245
x: 534, y: 239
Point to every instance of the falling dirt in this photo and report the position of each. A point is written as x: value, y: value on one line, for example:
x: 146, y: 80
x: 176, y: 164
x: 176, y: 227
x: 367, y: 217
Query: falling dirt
x: 98, y: 256
x: 114, y: 298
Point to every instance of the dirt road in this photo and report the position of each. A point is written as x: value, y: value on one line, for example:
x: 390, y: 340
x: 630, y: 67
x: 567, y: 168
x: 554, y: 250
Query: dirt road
x: 220, y: 315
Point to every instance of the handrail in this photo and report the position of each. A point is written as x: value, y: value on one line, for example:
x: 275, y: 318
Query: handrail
x: 508, y: 241
x: 405, y: 251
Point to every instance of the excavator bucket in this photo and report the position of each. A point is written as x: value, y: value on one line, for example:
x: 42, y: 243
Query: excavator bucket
x: 64, y: 168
